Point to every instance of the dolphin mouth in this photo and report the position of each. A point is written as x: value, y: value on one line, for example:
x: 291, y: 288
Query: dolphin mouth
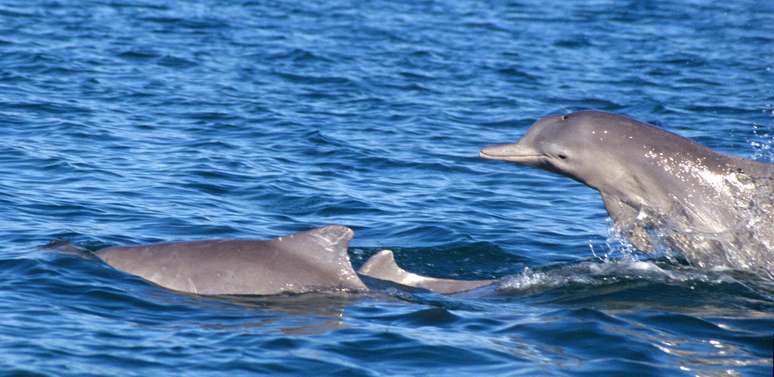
x: 509, y: 152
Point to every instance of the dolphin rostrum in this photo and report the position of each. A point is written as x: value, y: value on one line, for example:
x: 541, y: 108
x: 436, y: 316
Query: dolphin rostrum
x: 658, y: 187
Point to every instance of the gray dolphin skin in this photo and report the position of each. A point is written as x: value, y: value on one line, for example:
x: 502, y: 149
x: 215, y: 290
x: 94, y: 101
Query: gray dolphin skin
x: 315, y: 260
x: 382, y: 266
x: 311, y: 261
x: 658, y: 187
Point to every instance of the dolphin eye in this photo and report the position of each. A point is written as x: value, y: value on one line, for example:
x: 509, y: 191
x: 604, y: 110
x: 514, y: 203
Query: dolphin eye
x: 563, y: 156
x: 564, y: 117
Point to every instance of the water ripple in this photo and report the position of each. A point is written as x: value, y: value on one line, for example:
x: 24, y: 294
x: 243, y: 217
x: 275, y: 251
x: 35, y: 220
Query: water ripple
x: 148, y: 121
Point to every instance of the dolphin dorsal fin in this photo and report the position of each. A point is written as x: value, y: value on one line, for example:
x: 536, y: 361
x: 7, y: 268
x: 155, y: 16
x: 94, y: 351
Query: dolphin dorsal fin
x: 329, y: 239
x: 325, y: 249
x: 382, y: 266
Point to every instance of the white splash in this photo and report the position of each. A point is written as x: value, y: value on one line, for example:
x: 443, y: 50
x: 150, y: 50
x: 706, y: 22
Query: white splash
x: 723, y: 218
x: 604, y: 272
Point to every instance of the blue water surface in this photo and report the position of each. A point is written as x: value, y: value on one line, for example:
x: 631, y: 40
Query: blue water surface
x: 127, y: 122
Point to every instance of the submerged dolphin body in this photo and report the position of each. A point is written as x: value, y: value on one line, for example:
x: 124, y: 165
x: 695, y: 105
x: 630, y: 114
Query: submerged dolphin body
x: 314, y: 260
x: 659, y: 187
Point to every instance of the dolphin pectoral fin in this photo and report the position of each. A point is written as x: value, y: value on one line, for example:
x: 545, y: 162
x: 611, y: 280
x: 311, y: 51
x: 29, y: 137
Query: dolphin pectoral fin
x: 382, y: 266
x: 627, y: 224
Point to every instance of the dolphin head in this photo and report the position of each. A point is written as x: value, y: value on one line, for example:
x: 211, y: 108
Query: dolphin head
x: 604, y: 151
x: 566, y: 144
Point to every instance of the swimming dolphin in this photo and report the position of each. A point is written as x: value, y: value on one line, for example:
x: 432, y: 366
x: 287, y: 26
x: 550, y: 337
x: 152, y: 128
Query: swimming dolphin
x: 717, y: 210
x: 314, y: 260
x: 303, y: 262
x: 382, y: 266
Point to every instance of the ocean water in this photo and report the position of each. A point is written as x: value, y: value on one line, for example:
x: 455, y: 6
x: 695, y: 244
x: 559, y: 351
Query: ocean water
x: 126, y: 122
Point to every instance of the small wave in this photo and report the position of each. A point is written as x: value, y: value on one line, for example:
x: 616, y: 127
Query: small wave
x: 618, y: 261
x: 599, y: 273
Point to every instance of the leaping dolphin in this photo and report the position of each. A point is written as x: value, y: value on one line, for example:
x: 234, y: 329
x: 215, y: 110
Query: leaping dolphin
x: 717, y: 210
x: 314, y: 260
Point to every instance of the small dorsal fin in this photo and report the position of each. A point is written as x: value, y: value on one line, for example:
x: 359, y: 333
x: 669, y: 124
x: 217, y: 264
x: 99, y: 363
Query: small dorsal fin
x: 382, y: 266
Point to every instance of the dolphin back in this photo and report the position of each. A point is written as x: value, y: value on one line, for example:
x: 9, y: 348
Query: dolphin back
x: 315, y: 260
x: 382, y: 266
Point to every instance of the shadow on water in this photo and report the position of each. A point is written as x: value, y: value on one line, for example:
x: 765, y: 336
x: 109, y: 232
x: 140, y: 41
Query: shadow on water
x: 304, y: 314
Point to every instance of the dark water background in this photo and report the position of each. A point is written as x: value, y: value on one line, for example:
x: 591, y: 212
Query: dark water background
x: 127, y: 122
